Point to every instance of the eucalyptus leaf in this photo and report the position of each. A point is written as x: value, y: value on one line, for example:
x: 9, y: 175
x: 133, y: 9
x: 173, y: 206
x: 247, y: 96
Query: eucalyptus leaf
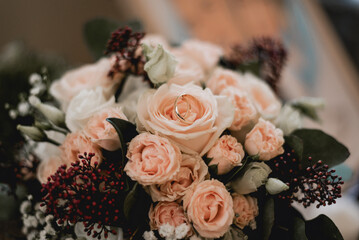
x: 213, y: 169
x: 320, y: 146
x: 98, y: 31
x: 322, y: 227
x: 234, y: 172
x: 296, y: 144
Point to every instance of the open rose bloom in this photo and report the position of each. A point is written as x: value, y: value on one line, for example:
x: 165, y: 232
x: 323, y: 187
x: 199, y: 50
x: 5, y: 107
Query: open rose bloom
x: 163, y: 142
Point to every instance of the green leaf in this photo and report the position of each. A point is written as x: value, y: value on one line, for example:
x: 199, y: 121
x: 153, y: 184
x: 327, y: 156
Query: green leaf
x: 308, y: 106
x: 296, y: 144
x: 98, y: 31
x: 130, y: 200
x: 320, y: 146
x: 226, y: 178
x: 126, y: 132
x: 213, y: 169
x: 322, y: 227
x: 268, y: 218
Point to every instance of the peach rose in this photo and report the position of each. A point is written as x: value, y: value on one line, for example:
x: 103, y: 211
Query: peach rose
x: 227, y: 153
x: 205, y: 116
x: 223, y: 78
x: 152, y: 159
x: 102, y: 132
x: 204, y: 53
x: 48, y: 167
x: 193, y: 171
x: 166, y: 212
x: 245, y: 210
x: 86, y: 77
x: 245, y: 112
x: 187, y: 70
x: 263, y: 97
x: 210, y: 208
x: 76, y: 144
x: 264, y: 139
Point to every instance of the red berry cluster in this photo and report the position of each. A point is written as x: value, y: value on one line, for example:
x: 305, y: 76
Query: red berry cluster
x: 86, y: 193
x: 125, y: 45
x: 268, y: 52
x: 314, y: 184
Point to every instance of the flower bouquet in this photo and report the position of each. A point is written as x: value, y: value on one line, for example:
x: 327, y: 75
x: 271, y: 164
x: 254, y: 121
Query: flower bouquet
x: 160, y: 142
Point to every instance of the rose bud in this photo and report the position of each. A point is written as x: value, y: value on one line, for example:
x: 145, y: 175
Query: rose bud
x: 275, y: 186
x: 34, y: 133
x: 255, y: 175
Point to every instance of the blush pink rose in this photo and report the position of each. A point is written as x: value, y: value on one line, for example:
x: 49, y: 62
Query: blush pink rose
x: 205, y: 116
x: 193, y: 171
x: 48, y: 167
x: 187, y: 70
x: 245, y: 112
x: 152, y: 159
x: 204, y: 53
x: 88, y: 77
x: 102, y: 132
x: 245, y: 210
x: 263, y: 97
x: 227, y: 153
x: 210, y: 208
x: 265, y: 140
x: 166, y: 213
x: 223, y: 78
x: 76, y: 144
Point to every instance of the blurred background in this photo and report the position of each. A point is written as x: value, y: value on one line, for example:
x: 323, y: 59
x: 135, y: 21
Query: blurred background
x: 321, y: 37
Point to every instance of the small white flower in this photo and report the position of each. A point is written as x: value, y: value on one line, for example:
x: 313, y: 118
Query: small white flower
x: 23, y: 108
x: 13, y: 114
x: 32, y: 235
x: 43, y: 235
x: 275, y: 186
x: 35, y: 78
x: 49, y: 219
x: 40, y: 217
x: 50, y: 230
x: 182, y: 230
x: 161, y: 65
x: 25, y: 207
x: 30, y: 221
x: 167, y: 231
x: 149, y: 235
x: 37, y: 89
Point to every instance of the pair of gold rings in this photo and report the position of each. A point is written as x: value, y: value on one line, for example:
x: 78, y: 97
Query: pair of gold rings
x: 185, y: 98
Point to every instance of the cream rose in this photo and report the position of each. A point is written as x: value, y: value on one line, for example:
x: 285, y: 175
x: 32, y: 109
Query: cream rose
x: 160, y: 65
x: 205, y: 116
x: 48, y: 167
x: 152, y: 159
x: 102, y: 132
x: 210, y: 208
x: 227, y: 153
x: 76, y: 144
x: 155, y: 39
x: 245, y: 210
x: 245, y: 112
x: 166, y: 213
x: 223, y: 78
x: 86, y: 77
x: 193, y: 171
x: 263, y: 97
x: 84, y: 105
x: 204, y: 53
x: 265, y: 140
x: 187, y: 70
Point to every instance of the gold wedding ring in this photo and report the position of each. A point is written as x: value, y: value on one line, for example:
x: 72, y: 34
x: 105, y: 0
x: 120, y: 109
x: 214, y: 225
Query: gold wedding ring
x: 183, y: 97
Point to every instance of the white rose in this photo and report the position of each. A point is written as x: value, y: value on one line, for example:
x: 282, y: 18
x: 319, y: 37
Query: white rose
x: 84, y: 105
x: 289, y: 119
x: 161, y: 64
